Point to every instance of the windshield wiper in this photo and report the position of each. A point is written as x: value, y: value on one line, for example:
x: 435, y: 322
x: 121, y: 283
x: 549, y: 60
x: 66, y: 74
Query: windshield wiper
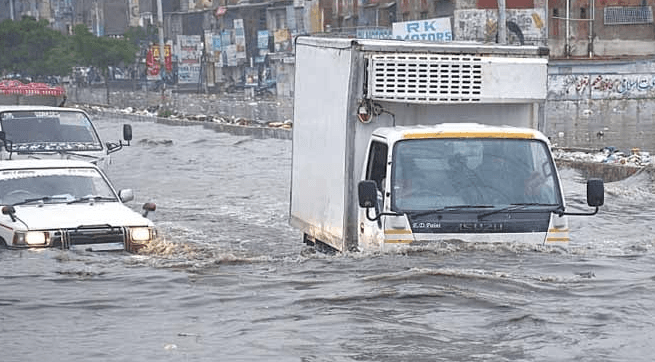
x: 451, y: 208
x: 515, y: 207
x: 35, y: 199
x: 91, y: 198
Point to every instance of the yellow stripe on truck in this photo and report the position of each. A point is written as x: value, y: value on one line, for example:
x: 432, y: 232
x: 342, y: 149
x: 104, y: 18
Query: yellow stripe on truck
x: 471, y: 134
x: 556, y: 235
x: 396, y: 241
x: 403, y: 236
x: 557, y: 240
x: 397, y: 232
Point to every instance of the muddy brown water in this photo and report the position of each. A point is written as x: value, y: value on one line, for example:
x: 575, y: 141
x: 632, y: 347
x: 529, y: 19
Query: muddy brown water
x: 230, y: 280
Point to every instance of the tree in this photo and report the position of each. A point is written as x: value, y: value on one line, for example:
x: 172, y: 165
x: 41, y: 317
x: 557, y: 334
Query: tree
x: 102, y: 52
x: 30, y: 48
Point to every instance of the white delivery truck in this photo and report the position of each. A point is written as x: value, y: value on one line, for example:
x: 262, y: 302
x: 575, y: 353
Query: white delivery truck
x: 404, y: 143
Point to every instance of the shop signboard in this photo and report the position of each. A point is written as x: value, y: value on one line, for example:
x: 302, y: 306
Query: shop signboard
x: 189, y: 55
x: 432, y: 30
x: 153, y: 62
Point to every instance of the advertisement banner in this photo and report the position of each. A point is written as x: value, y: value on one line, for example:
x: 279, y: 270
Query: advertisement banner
x: 433, y: 30
x: 152, y: 61
x: 189, y: 53
x: 262, y: 39
x: 240, y: 39
x: 374, y: 33
x: 231, y: 55
x: 282, y: 39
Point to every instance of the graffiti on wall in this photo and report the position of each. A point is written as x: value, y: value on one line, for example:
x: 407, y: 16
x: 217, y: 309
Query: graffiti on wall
x: 601, y: 86
x: 524, y: 26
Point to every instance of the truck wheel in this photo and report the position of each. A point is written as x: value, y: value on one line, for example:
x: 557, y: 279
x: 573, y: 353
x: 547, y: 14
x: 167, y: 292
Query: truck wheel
x: 307, y: 240
x: 324, y: 248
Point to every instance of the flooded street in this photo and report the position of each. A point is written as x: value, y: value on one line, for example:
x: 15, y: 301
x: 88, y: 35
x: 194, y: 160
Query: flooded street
x: 230, y: 279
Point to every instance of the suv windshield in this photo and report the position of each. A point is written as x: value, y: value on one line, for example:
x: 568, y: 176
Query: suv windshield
x: 34, y: 131
x: 430, y: 174
x: 53, y: 185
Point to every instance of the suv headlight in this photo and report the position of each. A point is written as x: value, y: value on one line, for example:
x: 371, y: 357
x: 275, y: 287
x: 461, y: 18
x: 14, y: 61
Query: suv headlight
x: 31, y: 238
x: 141, y: 234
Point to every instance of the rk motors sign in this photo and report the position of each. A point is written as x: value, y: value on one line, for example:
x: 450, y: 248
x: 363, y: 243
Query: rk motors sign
x: 435, y: 30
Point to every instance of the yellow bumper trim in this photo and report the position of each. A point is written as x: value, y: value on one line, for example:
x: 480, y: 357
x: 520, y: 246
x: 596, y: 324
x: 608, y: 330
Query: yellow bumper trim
x: 472, y: 134
x: 397, y: 241
x: 397, y: 232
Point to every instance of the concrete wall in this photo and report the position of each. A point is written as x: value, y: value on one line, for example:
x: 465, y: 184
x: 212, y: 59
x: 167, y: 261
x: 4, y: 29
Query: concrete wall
x: 227, y: 106
x: 593, y: 105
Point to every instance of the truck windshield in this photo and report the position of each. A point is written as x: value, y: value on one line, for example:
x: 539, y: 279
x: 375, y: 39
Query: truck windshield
x: 53, y: 185
x: 34, y: 131
x: 429, y: 174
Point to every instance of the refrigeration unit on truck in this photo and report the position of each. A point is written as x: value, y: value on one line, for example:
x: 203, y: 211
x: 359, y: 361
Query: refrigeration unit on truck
x: 404, y: 144
x: 42, y: 132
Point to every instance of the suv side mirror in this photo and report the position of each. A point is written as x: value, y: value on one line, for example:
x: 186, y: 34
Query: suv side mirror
x: 595, y: 192
x: 368, y: 194
x: 126, y: 195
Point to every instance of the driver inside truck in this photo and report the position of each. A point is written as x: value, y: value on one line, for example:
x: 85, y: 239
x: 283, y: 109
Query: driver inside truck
x: 466, y: 157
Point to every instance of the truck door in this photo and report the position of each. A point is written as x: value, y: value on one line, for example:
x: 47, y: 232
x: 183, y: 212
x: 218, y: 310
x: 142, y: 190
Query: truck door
x: 370, y: 232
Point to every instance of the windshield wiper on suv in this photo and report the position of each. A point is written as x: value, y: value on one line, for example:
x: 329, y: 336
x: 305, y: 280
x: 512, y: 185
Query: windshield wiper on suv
x: 514, y: 207
x: 91, y: 198
x: 35, y: 199
x: 450, y: 208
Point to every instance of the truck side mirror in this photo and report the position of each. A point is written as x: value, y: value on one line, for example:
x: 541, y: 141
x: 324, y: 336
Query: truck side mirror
x: 595, y: 192
x: 127, y: 132
x: 368, y: 194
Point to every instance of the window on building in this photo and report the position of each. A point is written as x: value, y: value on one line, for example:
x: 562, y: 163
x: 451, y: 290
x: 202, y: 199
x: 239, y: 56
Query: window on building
x: 583, y: 13
x: 624, y: 15
x: 555, y: 12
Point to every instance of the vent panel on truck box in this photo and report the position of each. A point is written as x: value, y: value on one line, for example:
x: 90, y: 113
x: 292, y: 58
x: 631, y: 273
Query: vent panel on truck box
x: 426, y: 78
x: 455, y: 78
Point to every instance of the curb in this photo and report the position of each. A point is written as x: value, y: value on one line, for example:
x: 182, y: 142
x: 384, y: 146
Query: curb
x: 237, y: 130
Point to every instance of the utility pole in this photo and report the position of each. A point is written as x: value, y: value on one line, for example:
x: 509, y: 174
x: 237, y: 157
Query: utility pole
x: 502, y: 23
x: 160, y: 25
x: 11, y: 9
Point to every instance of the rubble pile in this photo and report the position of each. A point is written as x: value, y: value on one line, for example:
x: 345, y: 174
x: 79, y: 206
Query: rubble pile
x: 157, y: 112
x: 610, y: 155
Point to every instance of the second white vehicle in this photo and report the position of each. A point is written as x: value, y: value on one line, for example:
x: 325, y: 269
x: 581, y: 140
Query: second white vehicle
x: 54, y: 132
x: 68, y: 204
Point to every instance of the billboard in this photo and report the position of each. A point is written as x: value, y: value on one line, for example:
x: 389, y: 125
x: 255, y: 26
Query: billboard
x: 152, y: 61
x: 189, y: 52
x: 434, y: 30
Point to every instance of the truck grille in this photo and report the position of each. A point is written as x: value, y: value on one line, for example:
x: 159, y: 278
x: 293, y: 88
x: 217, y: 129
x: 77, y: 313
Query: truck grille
x: 425, y: 78
x: 89, y: 236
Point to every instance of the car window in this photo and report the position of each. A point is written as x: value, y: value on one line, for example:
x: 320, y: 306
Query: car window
x: 60, y: 184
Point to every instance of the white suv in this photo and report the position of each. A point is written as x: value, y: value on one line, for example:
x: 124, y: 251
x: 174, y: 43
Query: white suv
x: 68, y: 204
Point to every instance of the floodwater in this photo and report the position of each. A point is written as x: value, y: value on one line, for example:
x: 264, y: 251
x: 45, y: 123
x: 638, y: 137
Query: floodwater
x: 231, y: 281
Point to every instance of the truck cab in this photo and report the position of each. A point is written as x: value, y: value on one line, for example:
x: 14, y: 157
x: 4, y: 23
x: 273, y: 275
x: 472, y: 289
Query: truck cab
x: 54, y: 132
x: 467, y: 182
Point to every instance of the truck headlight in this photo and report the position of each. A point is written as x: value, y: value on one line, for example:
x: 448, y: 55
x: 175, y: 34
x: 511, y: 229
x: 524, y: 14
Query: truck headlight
x: 31, y: 238
x: 141, y: 234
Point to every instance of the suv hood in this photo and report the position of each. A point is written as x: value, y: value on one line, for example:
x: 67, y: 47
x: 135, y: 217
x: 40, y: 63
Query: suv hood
x: 62, y: 216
